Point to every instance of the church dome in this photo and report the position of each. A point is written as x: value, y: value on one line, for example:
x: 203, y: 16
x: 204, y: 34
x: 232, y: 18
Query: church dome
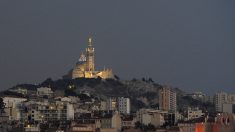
x: 81, y: 66
x: 79, y: 70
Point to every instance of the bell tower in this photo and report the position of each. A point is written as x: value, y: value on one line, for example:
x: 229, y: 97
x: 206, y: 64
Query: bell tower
x: 90, y: 53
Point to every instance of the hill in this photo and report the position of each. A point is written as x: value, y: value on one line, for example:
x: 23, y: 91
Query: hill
x: 143, y: 93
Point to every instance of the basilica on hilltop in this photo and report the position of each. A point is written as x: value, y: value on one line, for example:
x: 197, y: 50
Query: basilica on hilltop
x: 85, y: 67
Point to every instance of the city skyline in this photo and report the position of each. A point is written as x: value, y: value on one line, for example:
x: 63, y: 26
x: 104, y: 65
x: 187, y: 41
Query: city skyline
x: 185, y: 44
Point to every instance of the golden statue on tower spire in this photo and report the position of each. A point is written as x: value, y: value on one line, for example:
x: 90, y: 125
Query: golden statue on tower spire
x: 90, y: 41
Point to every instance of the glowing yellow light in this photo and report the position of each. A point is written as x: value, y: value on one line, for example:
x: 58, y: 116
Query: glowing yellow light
x: 90, y: 39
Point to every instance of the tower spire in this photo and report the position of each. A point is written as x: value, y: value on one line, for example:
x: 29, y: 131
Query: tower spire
x: 90, y: 51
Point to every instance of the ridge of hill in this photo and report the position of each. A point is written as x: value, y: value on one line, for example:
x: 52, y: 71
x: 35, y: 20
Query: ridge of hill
x: 143, y: 93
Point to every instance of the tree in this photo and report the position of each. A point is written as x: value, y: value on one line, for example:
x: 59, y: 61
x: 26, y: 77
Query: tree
x: 116, y: 77
x: 143, y: 79
x: 47, y: 82
x: 70, y: 92
x: 151, y: 80
x: 151, y: 127
x: 141, y: 126
x: 137, y: 124
x: 134, y: 80
x: 2, y: 106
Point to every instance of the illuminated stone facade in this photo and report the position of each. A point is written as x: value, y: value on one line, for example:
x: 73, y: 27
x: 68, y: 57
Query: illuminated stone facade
x: 86, y: 65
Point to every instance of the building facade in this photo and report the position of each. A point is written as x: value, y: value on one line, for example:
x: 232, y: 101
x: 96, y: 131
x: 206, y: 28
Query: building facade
x: 193, y: 113
x: 111, y: 104
x: 124, y: 105
x: 229, y: 108
x: 155, y: 117
x: 44, y: 91
x: 167, y: 99
x: 220, y: 99
x: 12, y: 105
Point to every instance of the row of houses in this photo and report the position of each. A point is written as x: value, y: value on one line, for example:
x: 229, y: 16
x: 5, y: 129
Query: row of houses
x: 44, y: 109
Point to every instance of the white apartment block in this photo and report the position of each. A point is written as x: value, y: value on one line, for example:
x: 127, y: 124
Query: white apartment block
x: 124, y: 105
x: 220, y: 99
x: 57, y: 111
x: 12, y: 107
x: 151, y: 116
x: 229, y: 108
x: 194, y: 113
x: 224, y: 102
x: 19, y: 90
x: 231, y: 98
x: 47, y: 111
x: 44, y: 91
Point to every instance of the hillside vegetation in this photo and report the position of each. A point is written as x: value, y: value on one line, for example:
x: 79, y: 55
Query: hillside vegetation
x: 143, y: 93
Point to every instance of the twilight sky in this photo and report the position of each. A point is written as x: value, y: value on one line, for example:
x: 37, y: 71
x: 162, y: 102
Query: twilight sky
x: 186, y: 44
